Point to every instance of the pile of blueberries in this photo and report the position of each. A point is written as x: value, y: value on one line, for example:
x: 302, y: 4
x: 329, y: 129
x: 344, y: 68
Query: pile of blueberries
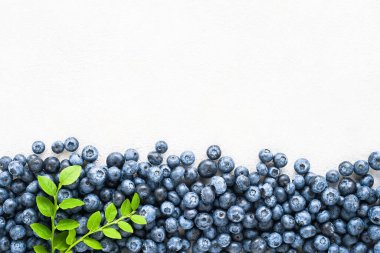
x: 212, y: 207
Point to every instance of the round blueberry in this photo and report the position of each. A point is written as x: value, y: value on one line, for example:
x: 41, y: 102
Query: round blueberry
x: 155, y: 158
x: 374, y: 215
x: 58, y: 147
x: 226, y: 164
x: 207, y: 168
x: 90, y: 154
x: 161, y: 147
x: 346, y: 169
x: 71, y: 144
x: 302, y: 166
x: 38, y: 147
x: 187, y: 158
x: 131, y: 154
x: 280, y: 160
x: 51, y: 165
x: 374, y: 160
x: 321, y: 242
x: 115, y: 159
x: 332, y: 176
x: 214, y: 152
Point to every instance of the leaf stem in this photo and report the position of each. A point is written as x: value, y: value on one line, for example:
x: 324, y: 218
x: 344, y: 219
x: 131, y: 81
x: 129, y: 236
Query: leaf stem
x: 99, y: 229
x: 56, y: 207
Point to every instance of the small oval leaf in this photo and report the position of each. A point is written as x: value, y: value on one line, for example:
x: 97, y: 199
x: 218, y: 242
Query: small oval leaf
x: 41, y: 230
x: 138, y: 219
x: 135, y: 202
x: 70, y: 203
x: 45, y: 206
x: 93, y: 222
x: 40, y: 249
x: 47, y: 185
x: 111, y: 233
x: 125, y: 226
x: 67, y: 224
x: 60, y: 241
x: 126, y: 208
x: 92, y: 243
x: 70, y: 174
x: 110, y: 212
x: 71, y: 237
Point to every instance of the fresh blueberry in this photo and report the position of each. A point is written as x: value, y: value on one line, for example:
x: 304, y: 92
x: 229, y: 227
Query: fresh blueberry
x: 89, y: 154
x: 187, y: 158
x: 155, y: 158
x: 332, y: 176
x: 115, y: 159
x: 226, y: 164
x: 235, y: 214
x: 330, y: 196
x: 346, y: 169
x: 374, y: 160
x: 274, y: 240
x: 207, y: 168
x: 161, y: 147
x: 18, y: 246
x: 71, y: 144
x: 373, y: 215
x: 302, y: 166
x: 297, y: 203
x: 174, y: 244
x: 321, y: 242
x: 5, y: 244
x: 203, y: 221
x: 134, y: 244
x: 5, y: 179
x: 16, y: 169
x: 38, y: 147
x: 75, y: 159
x: 17, y: 232
x: 214, y: 152
x: 262, y: 169
x: 58, y: 147
x: 97, y: 176
x: 51, y: 165
x: 280, y: 160
x: 173, y: 161
x: 131, y: 155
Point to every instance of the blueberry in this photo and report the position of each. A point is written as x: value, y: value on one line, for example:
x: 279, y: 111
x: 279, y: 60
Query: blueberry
x: 97, y: 176
x: 373, y: 215
x: 346, y: 186
x: 4, y: 162
x: 134, y: 244
x: 18, y: 246
x: 351, y: 203
x: 235, y: 214
x: 161, y: 147
x: 16, y: 169
x: 174, y: 244
x: 85, y: 186
x: 17, y: 232
x: 129, y: 170
x: 274, y: 240
x: 332, y: 176
x: 207, y: 168
x: 203, y: 244
x: 5, y: 179
x: 9, y: 206
x: 346, y: 169
x: 242, y: 183
x: 91, y: 203
x: 5, y: 244
x: 115, y: 159
x: 173, y: 161
x: 155, y: 158
x: 127, y: 187
x: 76, y: 159
x: 131, y: 155
x: 262, y: 169
x: 302, y: 166
x: 187, y: 158
x: 330, y: 196
x: 318, y: 184
x: 297, y: 203
x: 280, y: 160
x: 58, y: 147
x: 155, y: 174
x: 226, y: 164
x: 263, y: 214
x: 203, y: 221
x: 374, y: 160
x: 274, y: 172
x: 90, y: 154
x: 321, y: 242
x: 114, y: 174
x: 51, y: 165
x: 71, y: 144
x: 367, y: 180
x: 38, y: 147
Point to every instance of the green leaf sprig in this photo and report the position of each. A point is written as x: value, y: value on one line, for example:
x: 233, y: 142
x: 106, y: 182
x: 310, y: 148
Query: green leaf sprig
x: 62, y: 236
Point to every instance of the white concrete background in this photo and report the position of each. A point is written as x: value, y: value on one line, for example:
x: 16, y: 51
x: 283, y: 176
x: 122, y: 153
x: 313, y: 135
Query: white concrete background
x: 301, y: 77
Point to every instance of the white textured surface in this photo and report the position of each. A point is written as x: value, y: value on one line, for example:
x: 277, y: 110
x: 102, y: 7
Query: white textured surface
x: 301, y: 77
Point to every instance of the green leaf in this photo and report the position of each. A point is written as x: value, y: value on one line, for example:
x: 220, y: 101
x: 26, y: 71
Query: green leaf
x: 71, y: 237
x: 60, y: 241
x: 110, y: 212
x: 70, y: 203
x: 111, y: 233
x: 70, y: 174
x: 67, y: 224
x: 45, y: 206
x: 47, y: 185
x: 138, y: 219
x: 126, y: 208
x: 40, y: 249
x: 41, y: 230
x: 125, y: 226
x: 92, y: 243
x: 135, y: 202
x: 93, y: 222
